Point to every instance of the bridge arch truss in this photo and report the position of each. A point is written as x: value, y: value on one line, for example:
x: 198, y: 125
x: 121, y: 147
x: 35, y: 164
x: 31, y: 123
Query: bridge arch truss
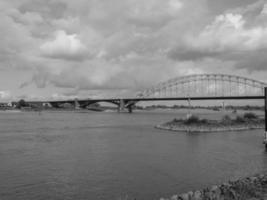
x: 206, y: 85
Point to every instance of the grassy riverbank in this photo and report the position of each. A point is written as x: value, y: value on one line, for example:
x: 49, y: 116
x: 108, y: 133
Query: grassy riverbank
x: 195, y: 124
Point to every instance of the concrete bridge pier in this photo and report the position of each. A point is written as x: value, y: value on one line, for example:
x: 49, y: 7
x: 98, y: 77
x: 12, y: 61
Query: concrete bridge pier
x: 124, y: 105
x: 189, y: 114
x: 121, y: 105
x: 130, y: 109
x: 76, y: 104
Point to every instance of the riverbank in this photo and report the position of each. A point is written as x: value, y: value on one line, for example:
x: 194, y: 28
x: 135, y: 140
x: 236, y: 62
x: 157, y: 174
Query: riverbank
x: 249, y: 188
x: 193, y: 124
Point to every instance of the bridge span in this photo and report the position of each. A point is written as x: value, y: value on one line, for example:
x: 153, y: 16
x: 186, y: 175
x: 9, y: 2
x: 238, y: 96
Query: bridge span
x: 192, y: 87
x: 128, y: 103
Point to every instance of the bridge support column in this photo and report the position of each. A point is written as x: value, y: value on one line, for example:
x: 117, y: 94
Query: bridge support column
x: 76, y: 104
x: 130, y: 109
x: 189, y: 114
x: 223, y: 106
x: 121, y: 105
x: 265, y: 108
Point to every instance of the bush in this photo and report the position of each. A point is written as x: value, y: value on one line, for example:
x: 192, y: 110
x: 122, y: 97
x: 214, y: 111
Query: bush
x: 239, y: 119
x: 22, y: 103
x: 226, y: 119
x: 176, y: 120
x: 203, y: 121
x: 192, y: 119
x: 250, y: 115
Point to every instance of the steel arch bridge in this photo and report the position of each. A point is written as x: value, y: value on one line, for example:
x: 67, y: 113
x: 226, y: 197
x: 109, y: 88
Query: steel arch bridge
x: 186, y: 88
x: 205, y: 85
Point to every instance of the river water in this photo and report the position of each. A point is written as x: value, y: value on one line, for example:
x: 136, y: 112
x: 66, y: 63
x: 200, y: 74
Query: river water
x: 78, y: 156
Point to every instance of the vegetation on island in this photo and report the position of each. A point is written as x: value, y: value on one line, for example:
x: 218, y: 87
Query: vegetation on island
x: 195, y: 124
x: 22, y: 103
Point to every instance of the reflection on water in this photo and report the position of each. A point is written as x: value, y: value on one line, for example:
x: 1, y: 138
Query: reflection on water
x: 72, y: 155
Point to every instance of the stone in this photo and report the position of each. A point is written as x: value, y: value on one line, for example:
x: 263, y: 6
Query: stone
x: 207, y: 194
x: 174, y: 197
x: 184, y: 196
x: 233, y: 194
x: 216, y: 192
x: 251, y: 188
x: 253, y: 179
x: 197, y: 195
x: 261, y: 176
x: 190, y: 194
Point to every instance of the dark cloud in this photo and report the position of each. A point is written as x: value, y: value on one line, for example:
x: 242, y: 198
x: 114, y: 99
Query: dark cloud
x: 255, y: 61
x: 184, y: 54
x: 47, y: 8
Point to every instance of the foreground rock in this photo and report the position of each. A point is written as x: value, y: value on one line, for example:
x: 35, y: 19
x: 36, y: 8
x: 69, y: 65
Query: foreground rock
x: 252, y: 188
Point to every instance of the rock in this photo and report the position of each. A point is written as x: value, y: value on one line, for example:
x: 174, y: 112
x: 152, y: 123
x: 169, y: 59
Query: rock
x: 207, y: 194
x: 261, y: 176
x: 174, y: 197
x: 184, y: 196
x: 233, y: 194
x: 252, y: 188
x: 226, y: 184
x: 197, y: 195
x: 253, y: 179
x: 215, y: 192
x: 214, y: 188
x: 190, y: 194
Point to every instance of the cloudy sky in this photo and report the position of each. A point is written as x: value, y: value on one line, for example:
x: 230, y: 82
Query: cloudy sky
x: 52, y: 49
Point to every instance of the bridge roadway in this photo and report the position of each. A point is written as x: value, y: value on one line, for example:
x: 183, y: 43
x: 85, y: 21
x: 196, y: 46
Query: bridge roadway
x: 127, y: 103
x: 137, y: 99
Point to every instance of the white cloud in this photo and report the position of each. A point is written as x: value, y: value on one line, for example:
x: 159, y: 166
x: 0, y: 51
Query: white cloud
x: 264, y: 10
x: 64, y: 46
x: 228, y: 32
x: 58, y: 96
x: 175, y: 6
x: 226, y: 37
x: 5, y: 95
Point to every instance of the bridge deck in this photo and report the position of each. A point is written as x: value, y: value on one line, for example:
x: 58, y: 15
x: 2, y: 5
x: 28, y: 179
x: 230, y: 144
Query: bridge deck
x: 155, y: 99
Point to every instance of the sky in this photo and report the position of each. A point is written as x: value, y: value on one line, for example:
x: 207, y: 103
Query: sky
x: 62, y: 49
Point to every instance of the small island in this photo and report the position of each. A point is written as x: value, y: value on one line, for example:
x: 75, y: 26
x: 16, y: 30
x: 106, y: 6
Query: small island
x: 194, y: 124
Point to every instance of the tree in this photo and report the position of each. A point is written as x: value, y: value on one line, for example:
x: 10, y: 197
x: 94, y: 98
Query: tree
x: 22, y: 103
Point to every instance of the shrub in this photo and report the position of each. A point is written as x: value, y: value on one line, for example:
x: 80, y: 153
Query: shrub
x: 239, y: 119
x: 226, y: 119
x: 176, y: 120
x: 22, y: 103
x: 192, y: 119
x: 203, y: 121
x: 250, y: 115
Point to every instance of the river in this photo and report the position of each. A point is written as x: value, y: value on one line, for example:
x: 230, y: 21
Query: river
x: 91, y: 155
